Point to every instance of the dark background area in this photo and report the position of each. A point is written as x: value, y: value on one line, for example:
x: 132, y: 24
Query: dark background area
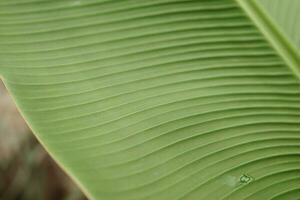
x: 27, y: 172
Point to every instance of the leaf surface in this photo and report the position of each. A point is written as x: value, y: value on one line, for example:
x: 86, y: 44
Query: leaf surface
x: 160, y: 99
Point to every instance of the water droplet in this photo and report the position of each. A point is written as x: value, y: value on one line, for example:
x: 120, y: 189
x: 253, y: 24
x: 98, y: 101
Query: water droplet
x: 245, y: 179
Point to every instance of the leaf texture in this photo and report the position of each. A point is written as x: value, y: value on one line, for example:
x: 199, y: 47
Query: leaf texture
x: 156, y: 100
x: 286, y: 16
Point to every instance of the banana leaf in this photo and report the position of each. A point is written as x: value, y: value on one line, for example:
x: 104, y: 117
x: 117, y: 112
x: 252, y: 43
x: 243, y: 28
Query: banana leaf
x: 161, y: 99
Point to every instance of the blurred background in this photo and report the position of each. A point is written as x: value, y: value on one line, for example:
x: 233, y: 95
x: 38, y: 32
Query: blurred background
x: 26, y: 170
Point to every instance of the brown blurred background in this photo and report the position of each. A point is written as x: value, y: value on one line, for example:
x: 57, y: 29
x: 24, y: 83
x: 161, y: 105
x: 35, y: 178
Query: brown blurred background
x: 26, y: 170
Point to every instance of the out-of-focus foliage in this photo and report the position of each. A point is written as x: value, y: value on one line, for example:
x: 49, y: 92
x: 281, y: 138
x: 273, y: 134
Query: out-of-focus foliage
x: 26, y: 170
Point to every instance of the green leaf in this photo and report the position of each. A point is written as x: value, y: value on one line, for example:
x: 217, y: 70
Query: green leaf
x: 160, y: 99
x: 286, y: 17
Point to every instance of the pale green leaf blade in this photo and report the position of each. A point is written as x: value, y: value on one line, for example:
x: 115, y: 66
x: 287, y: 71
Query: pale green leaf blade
x: 286, y: 16
x: 269, y: 25
x: 157, y: 100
